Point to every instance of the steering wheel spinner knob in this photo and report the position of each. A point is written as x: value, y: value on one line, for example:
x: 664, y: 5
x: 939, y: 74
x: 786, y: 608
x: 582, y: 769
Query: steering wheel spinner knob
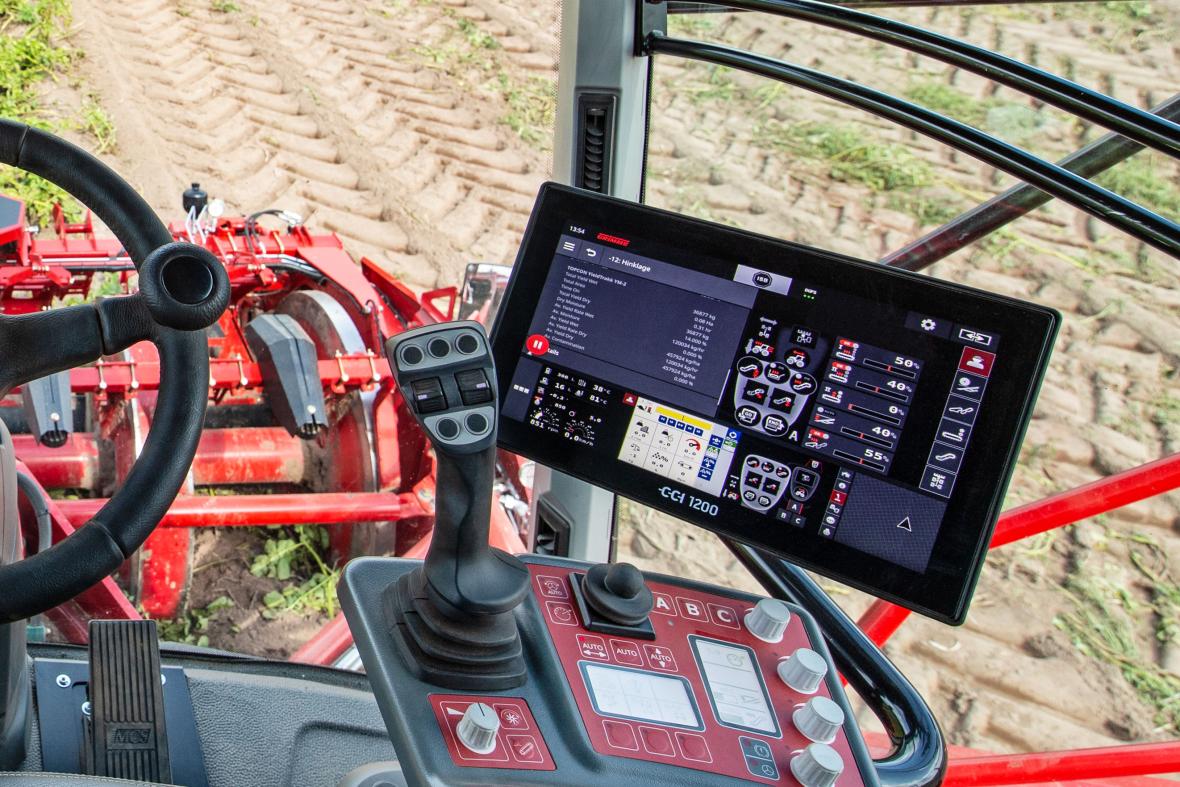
x: 184, y: 286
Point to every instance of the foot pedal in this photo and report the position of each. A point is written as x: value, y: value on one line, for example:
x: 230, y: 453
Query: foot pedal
x: 128, y: 736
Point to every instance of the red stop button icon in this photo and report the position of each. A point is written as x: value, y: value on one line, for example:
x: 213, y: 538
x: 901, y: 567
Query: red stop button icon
x: 536, y: 344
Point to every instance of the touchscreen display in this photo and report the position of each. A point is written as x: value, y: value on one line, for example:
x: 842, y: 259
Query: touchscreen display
x: 855, y: 419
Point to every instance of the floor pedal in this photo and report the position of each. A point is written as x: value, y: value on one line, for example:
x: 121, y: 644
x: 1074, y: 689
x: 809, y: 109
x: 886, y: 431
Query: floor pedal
x: 129, y: 739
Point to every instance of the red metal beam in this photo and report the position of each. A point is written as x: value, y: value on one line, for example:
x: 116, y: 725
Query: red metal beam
x: 1104, y: 763
x: 255, y: 455
x: 258, y: 455
x: 882, y: 619
x: 103, y: 600
x: 74, y: 465
x: 332, y: 508
x: 1096, y: 497
x: 356, y: 370
x: 327, y: 645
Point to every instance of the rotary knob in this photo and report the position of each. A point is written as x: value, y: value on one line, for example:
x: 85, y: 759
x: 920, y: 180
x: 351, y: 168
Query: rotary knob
x: 819, y: 765
x: 478, y: 727
x: 804, y: 671
x: 768, y: 620
x: 818, y: 719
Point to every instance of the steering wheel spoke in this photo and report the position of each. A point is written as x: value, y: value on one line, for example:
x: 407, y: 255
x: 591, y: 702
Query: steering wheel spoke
x: 42, y: 343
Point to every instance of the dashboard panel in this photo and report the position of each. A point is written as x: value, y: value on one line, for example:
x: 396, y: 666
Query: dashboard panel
x: 860, y: 421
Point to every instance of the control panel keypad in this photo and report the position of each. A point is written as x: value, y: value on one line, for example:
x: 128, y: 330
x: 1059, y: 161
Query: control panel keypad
x: 705, y: 694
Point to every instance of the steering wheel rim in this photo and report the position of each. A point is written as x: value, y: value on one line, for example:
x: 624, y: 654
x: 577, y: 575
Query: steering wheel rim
x: 99, y: 547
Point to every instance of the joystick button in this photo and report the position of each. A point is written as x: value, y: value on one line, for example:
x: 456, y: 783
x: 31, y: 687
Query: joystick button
x: 476, y: 423
x: 411, y: 355
x: 448, y: 428
x: 439, y: 347
x: 467, y: 344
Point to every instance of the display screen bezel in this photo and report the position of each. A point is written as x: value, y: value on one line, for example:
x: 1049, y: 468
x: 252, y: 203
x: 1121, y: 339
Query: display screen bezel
x: 1027, y: 333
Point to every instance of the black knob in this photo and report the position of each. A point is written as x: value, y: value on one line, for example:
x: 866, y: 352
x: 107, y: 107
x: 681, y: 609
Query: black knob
x: 624, y: 580
x: 194, y: 200
x: 184, y: 286
x: 618, y: 593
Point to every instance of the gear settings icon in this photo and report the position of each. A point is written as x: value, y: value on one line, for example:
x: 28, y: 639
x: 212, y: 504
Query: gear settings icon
x: 929, y: 324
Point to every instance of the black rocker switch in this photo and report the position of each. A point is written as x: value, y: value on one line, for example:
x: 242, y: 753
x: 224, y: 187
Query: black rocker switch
x: 474, y: 387
x: 451, y: 618
x: 428, y: 395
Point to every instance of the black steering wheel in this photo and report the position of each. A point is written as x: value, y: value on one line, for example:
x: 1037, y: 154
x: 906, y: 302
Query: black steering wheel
x: 183, y: 290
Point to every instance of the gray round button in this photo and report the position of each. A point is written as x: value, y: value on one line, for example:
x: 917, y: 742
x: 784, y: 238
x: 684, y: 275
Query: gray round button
x: 477, y: 423
x: 411, y: 355
x: 467, y: 343
x: 448, y: 428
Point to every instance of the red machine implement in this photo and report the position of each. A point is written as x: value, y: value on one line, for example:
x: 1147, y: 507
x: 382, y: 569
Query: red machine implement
x: 306, y: 425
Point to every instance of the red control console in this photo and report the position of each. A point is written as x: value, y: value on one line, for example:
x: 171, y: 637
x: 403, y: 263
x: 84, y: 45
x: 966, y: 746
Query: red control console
x: 703, y: 694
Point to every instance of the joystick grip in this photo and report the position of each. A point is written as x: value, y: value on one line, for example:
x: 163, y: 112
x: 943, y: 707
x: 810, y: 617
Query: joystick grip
x: 454, y: 614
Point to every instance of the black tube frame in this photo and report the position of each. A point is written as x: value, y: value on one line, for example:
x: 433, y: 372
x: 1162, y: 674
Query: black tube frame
x: 1139, y: 125
x: 1093, y: 159
x: 1133, y: 219
x: 919, y: 755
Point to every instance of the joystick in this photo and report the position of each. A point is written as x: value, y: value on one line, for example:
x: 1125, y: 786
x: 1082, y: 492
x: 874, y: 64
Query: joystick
x: 451, y: 618
x: 617, y: 592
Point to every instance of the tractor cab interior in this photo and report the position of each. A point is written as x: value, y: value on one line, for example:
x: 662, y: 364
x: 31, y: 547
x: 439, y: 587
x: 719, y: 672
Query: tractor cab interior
x: 821, y: 413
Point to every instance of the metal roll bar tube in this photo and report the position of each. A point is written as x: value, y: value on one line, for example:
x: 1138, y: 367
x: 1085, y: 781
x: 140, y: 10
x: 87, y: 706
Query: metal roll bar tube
x: 1136, y: 221
x: 1145, y: 128
x: 1093, y: 159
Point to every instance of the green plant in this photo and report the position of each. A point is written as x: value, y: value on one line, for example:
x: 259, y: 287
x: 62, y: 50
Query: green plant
x: 29, y: 54
x: 98, y: 124
x: 297, y: 557
x: 532, y: 105
x: 225, y: 6
x: 949, y: 101
x: 718, y: 86
x: 476, y: 37
x: 849, y: 155
x: 191, y: 627
x: 927, y: 209
x: 690, y: 24
x: 1100, y: 625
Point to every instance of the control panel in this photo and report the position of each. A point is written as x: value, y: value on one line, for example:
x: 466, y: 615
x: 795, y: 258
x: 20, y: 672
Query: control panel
x: 727, y: 686
x: 632, y: 678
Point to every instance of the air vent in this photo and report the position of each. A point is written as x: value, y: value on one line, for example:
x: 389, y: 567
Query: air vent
x: 552, y: 530
x: 596, y: 116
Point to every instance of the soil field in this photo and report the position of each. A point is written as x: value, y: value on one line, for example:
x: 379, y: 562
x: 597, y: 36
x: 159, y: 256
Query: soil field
x: 419, y: 131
